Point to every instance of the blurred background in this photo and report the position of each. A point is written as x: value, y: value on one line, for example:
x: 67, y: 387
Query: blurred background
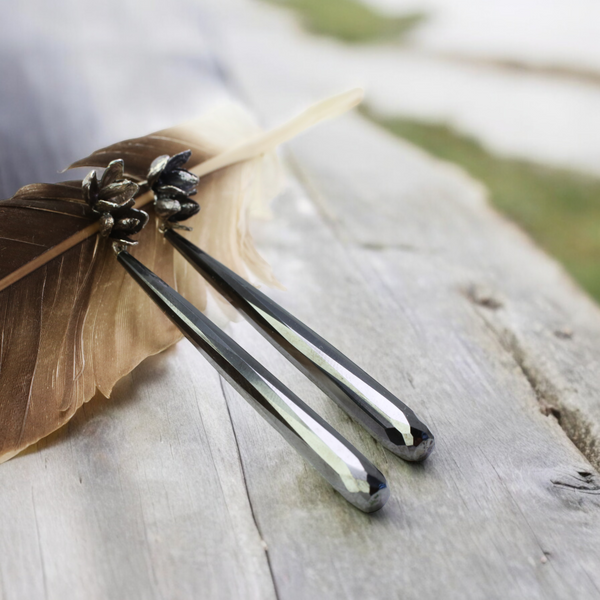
x: 508, y: 90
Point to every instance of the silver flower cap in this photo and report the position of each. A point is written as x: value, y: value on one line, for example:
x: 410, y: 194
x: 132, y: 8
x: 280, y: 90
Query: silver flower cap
x: 172, y: 186
x: 112, y: 198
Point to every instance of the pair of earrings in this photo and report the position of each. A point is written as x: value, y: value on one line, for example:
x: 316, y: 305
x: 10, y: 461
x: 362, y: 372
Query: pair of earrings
x: 388, y: 419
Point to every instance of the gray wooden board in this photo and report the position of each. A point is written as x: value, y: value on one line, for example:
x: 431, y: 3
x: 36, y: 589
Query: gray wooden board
x: 141, y: 496
x: 496, y: 512
x: 176, y: 488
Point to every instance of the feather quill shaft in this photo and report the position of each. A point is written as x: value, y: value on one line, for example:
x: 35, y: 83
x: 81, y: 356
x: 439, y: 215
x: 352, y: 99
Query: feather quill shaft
x: 257, y: 146
x: 326, y: 109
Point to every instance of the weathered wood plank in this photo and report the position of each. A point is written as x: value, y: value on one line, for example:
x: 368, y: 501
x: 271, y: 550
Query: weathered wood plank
x: 173, y: 489
x: 141, y: 496
x: 551, y: 328
x: 393, y: 250
x: 494, y: 513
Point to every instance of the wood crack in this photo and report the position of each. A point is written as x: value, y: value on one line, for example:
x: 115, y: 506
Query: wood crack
x: 39, y: 543
x: 487, y: 303
x: 573, y: 422
x: 250, y: 504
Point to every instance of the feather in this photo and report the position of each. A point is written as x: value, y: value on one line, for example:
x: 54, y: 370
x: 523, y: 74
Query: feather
x: 71, y: 321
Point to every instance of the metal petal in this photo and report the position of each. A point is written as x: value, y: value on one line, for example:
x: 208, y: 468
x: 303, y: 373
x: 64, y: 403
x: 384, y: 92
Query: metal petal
x: 120, y: 192
x: 142, y: 216
x: 123, y: 239
x: 114, y: 172
x: 156, y: 168
x: 170, y: 191
x: 106, y: 224
x: 166, y: 207
x: 102, y: 206
x: 188, y: 209
x: 178, y: 160
x: 180, y: 178
x: 132, y: 221
x: 89, y: 187
x: 129, y: 224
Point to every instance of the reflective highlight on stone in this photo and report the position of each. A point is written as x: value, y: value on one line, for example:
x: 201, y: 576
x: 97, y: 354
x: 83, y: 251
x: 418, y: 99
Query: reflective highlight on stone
x: 344, y: 467
x: 388, y: 419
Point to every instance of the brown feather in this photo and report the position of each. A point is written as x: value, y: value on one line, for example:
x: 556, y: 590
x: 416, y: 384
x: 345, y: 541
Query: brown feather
x: 38, y: 218
x: 138, y: 153
x: 79, y: 323
x: 71, y: 320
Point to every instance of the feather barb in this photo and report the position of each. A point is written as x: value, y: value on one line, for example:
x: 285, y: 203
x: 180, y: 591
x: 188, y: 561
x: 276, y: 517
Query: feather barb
x: 257, y: 146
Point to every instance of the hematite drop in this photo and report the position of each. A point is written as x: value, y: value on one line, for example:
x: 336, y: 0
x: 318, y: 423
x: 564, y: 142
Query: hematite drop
x: 342, y: 465
x: 388, y: 419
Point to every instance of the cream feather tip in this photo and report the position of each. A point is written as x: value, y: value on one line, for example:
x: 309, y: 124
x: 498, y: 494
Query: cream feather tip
x: 239, y: 182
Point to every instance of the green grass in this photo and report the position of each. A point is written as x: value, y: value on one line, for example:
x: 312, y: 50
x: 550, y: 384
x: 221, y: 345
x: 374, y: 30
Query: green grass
x: 350, y: 21
x: 559, y: 208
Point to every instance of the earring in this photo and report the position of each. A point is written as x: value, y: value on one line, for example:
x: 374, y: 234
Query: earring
x: 337, y: 461
x: 381, y: 413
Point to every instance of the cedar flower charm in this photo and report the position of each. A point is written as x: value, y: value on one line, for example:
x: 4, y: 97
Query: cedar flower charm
x: 172, y: 186
x: 113, y: 198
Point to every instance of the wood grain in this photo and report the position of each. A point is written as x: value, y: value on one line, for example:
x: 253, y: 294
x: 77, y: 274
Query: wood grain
x: 72, y: 321
x: 175, y: 488
x: 507, y: 505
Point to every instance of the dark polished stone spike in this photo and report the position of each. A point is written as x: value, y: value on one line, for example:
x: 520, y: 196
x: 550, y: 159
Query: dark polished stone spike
x: 384, y: 415
x: 338, y: 462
